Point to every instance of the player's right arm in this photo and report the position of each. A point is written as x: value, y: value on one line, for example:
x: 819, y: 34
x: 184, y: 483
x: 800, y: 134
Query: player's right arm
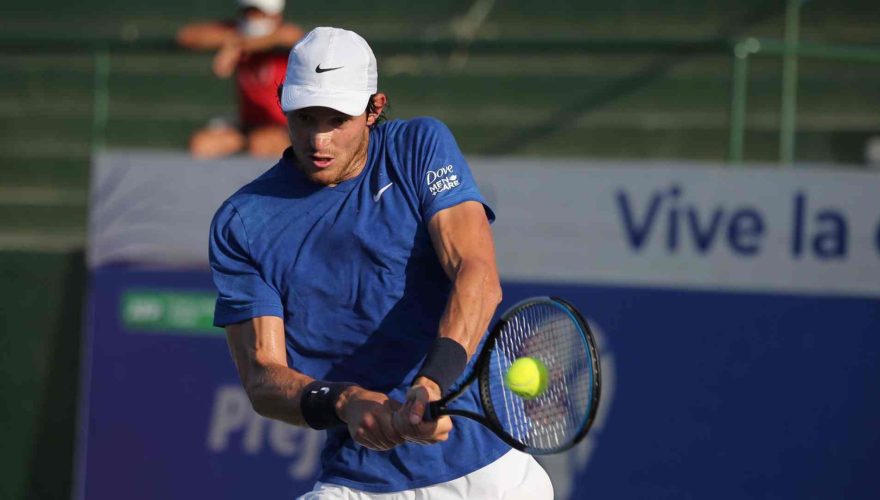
x: 258, y: 350
x: 275, y: 390
x: 250, y: 309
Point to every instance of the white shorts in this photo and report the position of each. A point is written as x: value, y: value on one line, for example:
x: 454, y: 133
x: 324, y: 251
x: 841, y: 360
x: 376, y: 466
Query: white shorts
x: 514, y: 476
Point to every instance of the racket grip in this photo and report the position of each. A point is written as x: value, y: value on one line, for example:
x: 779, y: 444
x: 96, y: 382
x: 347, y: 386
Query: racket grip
x: 433, y: 411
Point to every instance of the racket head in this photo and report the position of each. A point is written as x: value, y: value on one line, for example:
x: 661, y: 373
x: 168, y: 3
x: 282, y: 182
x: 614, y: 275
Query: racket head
x: 552, y: 331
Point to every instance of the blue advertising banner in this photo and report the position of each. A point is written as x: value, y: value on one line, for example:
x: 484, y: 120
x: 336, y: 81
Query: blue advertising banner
x: 167, y: 417
x: 721, y: 395
x: 738, y: 316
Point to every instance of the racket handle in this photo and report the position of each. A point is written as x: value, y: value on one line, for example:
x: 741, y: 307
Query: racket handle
x: 433, y: 411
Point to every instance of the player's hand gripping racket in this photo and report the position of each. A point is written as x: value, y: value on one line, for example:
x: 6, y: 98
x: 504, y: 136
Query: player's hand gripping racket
x: 555, y: 414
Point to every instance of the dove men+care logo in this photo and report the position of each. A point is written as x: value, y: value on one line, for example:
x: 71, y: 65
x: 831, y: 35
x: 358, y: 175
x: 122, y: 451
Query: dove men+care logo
x: 442, y: 179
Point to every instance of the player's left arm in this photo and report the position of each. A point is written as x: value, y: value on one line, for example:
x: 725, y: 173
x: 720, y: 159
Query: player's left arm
x: 463, y: 242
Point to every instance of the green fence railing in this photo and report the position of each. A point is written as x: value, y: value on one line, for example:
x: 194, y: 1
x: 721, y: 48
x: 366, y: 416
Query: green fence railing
x: 745, y: 49
x: 674, y: 50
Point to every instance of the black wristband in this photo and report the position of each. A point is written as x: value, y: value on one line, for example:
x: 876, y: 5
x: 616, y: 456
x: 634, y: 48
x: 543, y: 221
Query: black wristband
x: 318, y: 403
x: 445, y: 362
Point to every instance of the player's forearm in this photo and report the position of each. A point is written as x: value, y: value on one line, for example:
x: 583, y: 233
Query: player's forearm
x: 275, y: 392
x: 476, y: 292
x: 259, y: 352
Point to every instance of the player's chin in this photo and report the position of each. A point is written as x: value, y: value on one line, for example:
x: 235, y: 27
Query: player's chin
x: 323, y: 176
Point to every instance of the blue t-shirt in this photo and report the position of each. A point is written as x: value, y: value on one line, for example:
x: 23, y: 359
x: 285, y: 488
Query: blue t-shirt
x: 352, y: 272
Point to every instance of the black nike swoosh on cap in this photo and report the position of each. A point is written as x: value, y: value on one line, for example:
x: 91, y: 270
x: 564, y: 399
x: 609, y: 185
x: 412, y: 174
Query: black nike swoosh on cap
x: 319, y: 69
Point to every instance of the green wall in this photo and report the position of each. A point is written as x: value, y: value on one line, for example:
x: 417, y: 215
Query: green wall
x: 41, y: 299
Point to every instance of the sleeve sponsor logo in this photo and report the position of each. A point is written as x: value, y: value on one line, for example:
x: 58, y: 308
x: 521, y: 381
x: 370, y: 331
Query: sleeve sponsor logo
x: 442, y: 179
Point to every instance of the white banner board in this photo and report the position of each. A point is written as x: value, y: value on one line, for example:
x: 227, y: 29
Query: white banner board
x: 770, y: 229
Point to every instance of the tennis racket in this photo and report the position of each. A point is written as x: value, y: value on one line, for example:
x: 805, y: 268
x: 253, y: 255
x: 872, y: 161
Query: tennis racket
x: 552, y: 331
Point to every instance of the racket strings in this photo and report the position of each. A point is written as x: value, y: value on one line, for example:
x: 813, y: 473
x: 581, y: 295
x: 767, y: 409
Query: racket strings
x: 544, y: 331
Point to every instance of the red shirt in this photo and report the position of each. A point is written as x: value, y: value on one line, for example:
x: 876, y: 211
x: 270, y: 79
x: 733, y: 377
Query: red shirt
x: 257, y: 78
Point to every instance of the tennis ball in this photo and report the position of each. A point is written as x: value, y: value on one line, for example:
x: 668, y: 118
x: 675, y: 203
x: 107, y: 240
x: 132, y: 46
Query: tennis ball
x: 527, y: 377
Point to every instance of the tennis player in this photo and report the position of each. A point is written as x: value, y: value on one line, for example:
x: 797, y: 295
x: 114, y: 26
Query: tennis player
x: 356, y: 279
x: 252, y: 48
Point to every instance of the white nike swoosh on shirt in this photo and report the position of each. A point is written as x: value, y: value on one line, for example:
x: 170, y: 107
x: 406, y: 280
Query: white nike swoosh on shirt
x: 382, y: 190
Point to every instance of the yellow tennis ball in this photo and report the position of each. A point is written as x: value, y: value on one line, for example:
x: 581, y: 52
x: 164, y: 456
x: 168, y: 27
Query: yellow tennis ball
x: 527, y: 377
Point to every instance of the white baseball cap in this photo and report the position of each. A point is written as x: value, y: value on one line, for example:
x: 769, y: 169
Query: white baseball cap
x: 270, y: 7
x: 333, y: 68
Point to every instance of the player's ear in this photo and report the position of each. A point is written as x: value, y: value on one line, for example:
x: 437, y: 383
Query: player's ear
x: 375, y: 106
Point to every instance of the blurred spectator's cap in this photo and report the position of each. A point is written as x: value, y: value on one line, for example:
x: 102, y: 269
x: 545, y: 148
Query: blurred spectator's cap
x: 332, y: 68
x: 271, y: 7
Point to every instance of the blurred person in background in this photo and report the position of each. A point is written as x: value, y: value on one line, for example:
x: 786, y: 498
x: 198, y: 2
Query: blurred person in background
x: 254, y: 48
